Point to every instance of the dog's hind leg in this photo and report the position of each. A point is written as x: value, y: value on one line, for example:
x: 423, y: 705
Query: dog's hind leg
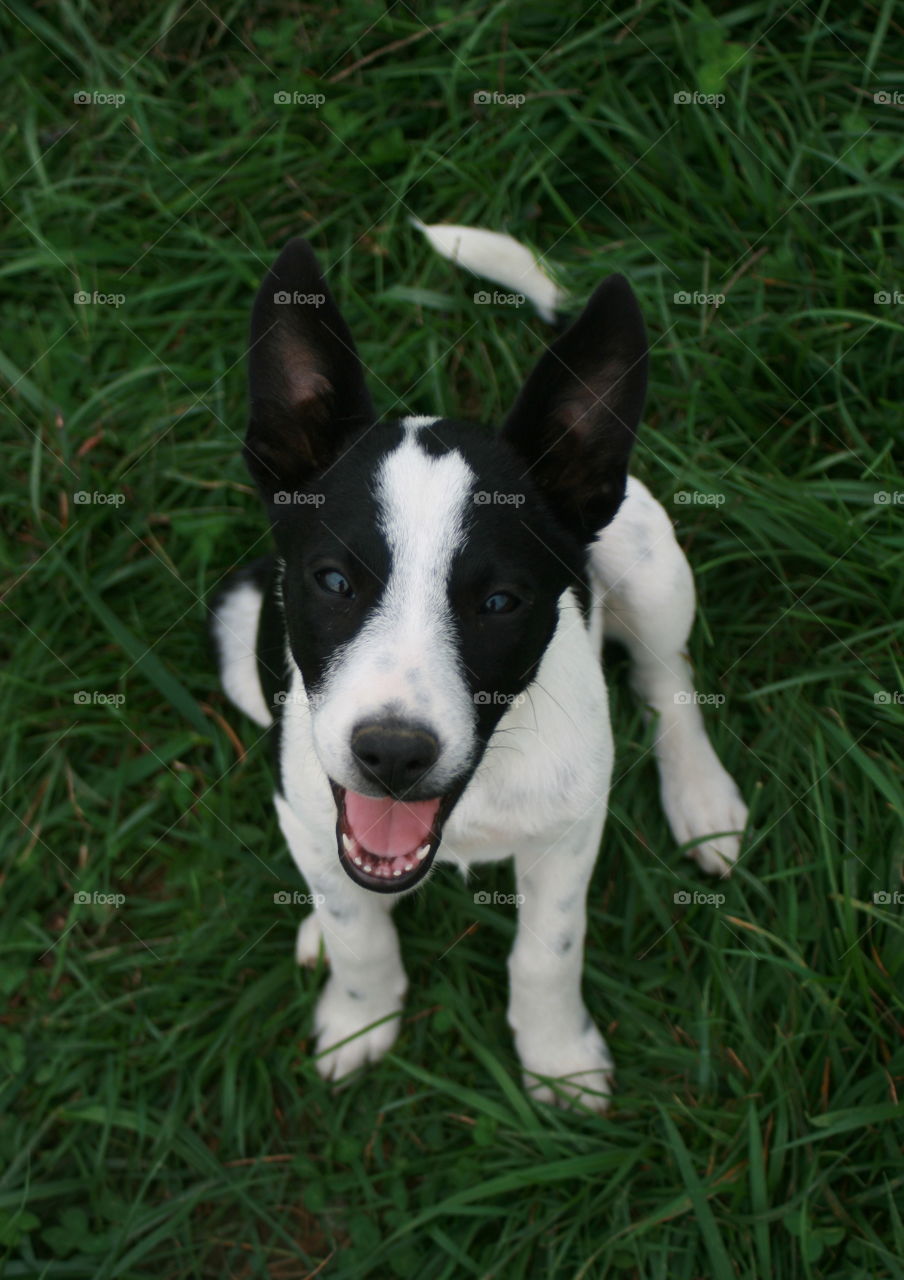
x: 309, y: 941
x: 233, y: 621
x: 647, y: 589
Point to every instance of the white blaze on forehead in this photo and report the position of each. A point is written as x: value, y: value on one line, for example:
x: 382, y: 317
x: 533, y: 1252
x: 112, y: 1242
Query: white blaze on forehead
x: 405, y: 660
x: 423, y: 503
x: 415, y: 421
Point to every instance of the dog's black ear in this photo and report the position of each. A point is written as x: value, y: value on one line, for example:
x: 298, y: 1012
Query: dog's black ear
x: 575, y: 417
x: 307, y: 387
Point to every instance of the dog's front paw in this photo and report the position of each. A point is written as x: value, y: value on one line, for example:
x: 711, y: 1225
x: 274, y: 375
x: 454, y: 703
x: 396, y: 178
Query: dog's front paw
x: 568, y: 1072
x: 343, y: 1013
x: 701, y: 798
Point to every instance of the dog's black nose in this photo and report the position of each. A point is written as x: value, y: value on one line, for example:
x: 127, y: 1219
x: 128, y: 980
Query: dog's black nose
x: 394, y: 754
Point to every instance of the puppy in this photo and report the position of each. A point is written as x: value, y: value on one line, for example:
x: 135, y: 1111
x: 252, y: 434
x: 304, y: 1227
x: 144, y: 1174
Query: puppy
x: 425, y: 647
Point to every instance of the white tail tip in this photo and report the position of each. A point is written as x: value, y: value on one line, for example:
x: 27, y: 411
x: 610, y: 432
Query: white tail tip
x: 499, y: 258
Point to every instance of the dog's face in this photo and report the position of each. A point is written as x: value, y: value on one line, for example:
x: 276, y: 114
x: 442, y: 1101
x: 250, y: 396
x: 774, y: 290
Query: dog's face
x: 424, y: 559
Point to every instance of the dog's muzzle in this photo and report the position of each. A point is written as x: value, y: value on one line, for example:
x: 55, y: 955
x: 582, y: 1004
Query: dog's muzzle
x: 385, y: 844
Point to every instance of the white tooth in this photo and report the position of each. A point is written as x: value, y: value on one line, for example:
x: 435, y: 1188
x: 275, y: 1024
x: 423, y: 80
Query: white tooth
x: 357, y: 862
x: 396, y: 872
x: 348, y: 843
x: 407, y: 866
x: 368, y: 868
x: 422, y: 852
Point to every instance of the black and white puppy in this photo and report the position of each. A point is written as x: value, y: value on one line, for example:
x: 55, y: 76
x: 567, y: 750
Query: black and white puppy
x: 426, y: 645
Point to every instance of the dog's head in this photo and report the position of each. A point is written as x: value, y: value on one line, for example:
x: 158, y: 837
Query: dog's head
x: 425, y: 558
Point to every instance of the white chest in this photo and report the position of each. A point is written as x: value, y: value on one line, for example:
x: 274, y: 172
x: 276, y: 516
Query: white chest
x: 549, y: 761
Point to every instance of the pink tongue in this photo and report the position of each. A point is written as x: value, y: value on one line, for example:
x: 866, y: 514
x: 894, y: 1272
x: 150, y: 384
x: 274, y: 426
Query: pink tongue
x: 389, y: 826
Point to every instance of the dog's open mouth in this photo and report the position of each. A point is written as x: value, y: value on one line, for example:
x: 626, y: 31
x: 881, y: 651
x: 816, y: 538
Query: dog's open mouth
x: 385, y: 844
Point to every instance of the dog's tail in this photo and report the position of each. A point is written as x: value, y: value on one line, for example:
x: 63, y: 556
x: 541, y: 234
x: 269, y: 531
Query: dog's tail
x: 499, y: 258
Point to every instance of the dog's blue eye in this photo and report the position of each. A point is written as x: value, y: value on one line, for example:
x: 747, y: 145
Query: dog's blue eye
x: 500, y: 602
x: 335, y: 582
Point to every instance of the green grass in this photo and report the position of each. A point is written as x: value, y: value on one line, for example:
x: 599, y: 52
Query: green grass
x: 161, y: 1116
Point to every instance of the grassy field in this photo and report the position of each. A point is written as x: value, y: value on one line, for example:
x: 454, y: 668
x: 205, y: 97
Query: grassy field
x: 161, y: 1116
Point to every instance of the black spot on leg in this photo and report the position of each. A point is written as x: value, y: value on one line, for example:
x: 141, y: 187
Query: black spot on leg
x: 587, y: 1024
x: 564, y: 946
x: 354, y: 995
